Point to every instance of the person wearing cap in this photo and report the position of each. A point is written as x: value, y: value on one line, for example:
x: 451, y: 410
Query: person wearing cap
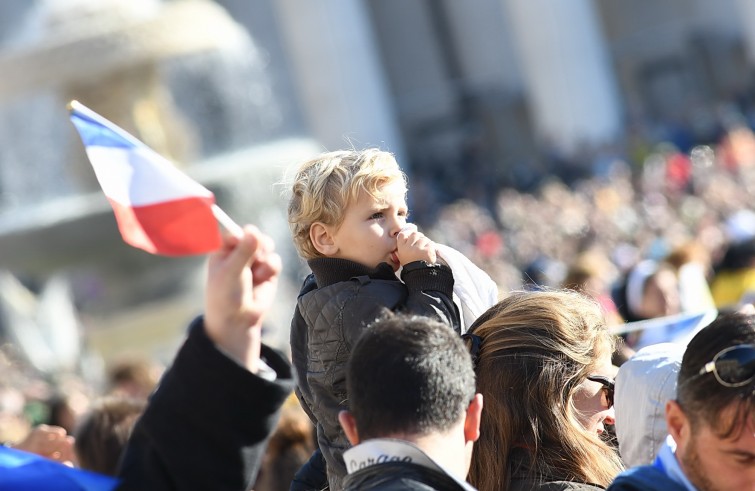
x: 711, y: 423
x: 644, y: 384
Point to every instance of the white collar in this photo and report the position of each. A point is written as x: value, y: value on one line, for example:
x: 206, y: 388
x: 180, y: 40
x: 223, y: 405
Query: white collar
x: 384, y: 450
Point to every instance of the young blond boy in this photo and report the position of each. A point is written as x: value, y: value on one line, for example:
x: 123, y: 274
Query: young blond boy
x: 348, y: 218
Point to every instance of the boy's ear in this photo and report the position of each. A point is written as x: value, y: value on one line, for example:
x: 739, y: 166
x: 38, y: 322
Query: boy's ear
x: 322, y: 238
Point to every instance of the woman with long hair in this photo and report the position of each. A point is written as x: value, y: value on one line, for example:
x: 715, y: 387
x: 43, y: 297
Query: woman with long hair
x: 543, y: 366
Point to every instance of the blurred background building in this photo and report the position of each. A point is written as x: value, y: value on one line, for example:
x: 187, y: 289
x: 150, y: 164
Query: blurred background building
x: 473, y: 97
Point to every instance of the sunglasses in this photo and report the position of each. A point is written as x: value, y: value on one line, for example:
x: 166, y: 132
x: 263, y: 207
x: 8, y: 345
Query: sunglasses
x: 609, y: 387
x: 474, y: 344
x: 733, y: 366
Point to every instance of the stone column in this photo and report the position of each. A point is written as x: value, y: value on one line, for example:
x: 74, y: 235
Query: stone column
x: 339, y: 78
x: 482, y: 42
x: 746, y: 11
x: 572, y: 92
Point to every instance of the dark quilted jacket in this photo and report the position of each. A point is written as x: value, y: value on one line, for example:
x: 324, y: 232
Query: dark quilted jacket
x: 336, y: 303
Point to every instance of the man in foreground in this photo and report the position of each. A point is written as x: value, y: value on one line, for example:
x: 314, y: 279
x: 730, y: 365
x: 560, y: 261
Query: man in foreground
x: 414, y: 414
x: 711, y: 424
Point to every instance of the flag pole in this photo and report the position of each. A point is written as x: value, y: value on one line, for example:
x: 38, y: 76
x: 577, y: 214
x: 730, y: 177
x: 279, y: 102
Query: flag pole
x: 222, y: 217
x: 227, y: 222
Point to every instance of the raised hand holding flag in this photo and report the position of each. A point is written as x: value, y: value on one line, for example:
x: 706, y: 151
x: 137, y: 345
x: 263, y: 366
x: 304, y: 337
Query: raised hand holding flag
x: 158, y: 208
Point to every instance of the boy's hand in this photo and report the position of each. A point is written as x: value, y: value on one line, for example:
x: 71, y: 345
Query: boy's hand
x: 241, y: 282
x: 413, y: 245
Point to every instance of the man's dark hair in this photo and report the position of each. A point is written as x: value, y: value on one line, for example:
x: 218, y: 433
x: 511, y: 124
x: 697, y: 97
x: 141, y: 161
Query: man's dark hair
x: 701, y: 396
x: 408, y: 375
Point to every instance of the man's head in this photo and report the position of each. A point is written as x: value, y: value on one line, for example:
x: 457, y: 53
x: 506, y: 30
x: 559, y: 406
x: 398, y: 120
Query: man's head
x: 713, y: 418
x: 411, y: 378
x: 326, y: 188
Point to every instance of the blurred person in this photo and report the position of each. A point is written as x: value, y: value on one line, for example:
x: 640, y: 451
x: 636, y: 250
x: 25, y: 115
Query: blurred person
x: 290, y: 447
x: 414, y: 415
x: 644, y: 384
x: 734, y: 279
x: 66, y: 407
x: 692, y: 265
x: 590, y: 274
x: 737, y: 148
x: 542, y: 273
x: 14, y: 425
x: 678, y: 171
x: 711, y: 423
x: 101, y: 436
x: 348, y: 218
x: 543, y: 365
x: 650, y: 289
x: 20, y: 416
x: 133, y: 377
x: 683, y: 302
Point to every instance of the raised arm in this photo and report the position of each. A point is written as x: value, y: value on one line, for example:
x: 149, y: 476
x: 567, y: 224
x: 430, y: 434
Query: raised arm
x: 241, y: 282
x: 207, y: 424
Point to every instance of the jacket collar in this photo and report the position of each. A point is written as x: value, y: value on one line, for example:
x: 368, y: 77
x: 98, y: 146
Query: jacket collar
x: 384, y: 450
x: 330, y: 270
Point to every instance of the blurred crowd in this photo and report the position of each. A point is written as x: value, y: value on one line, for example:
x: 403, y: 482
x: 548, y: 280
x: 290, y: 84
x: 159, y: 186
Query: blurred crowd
x: 674, y: 234
x: 67, y: 405
x: 674, y: 209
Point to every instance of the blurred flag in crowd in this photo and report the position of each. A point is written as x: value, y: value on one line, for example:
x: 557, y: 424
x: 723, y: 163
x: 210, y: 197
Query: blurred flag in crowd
x: 23, y: 471
x: 677, y: 328
x: 158, y: 208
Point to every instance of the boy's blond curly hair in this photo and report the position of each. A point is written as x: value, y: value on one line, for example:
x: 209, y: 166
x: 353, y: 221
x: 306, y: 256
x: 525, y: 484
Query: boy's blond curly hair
x: 323, y: 187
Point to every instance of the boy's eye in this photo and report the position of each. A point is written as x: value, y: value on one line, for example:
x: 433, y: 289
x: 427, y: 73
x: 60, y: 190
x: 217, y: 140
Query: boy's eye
x: 403, y: 213
x: 376, y: 215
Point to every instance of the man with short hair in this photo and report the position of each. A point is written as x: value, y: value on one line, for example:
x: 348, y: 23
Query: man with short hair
x: 711, y: 446
x: 414, y: 412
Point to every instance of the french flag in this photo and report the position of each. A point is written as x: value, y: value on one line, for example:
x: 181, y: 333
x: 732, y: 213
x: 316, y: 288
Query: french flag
x: 158, y: 208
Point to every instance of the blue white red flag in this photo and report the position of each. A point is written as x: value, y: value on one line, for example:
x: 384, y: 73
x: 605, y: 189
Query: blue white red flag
x: 158, y: 208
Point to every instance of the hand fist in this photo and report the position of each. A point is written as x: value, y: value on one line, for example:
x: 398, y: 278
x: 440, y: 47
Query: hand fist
x: 241, y: 283
x: 413, y: 245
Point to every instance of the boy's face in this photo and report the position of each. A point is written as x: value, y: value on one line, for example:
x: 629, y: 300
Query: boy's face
x: 368, y: 232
